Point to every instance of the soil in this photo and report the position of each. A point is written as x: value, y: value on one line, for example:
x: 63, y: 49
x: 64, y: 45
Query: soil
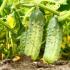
x: 27, y: 64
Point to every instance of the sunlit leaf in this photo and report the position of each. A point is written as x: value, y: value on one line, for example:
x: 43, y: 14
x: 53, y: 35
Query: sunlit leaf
x: 58, y: 1
x: 54, y: 6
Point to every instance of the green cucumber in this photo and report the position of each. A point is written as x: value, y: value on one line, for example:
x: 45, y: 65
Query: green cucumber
x: 34, y: 34
x: 53, y: 41
x: 22, y: 43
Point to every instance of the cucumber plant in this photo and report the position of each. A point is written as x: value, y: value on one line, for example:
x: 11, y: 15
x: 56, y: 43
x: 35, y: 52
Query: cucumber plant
x: 27, y: 28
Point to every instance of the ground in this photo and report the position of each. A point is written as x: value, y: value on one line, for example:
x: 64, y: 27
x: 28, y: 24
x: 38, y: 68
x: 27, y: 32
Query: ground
x: 27, y: 64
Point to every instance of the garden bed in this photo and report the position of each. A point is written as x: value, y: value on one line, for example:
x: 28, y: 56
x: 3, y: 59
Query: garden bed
x: 27, y: 64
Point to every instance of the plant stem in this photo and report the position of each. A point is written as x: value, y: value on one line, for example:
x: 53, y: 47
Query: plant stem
x: 26, y: 15
x: 7, y: 39
x: 28, y: 5
x: 3, y: 5
x: 46, y: 8
x: 24, y: 5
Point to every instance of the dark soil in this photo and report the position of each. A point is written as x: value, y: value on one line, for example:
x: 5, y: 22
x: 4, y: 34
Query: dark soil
x: 27, y: 64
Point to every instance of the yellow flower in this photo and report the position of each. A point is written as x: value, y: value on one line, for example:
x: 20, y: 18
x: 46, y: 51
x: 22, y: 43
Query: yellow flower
x: 11, y: 21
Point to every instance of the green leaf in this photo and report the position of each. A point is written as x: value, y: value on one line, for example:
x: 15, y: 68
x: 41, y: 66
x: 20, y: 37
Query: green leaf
x: 1, y: 2
x: 54, y: 6
x: 11, y: 2
x: 66, y: 28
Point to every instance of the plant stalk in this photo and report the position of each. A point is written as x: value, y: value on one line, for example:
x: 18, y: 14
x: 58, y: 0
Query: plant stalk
x: 3, y: 5
x: 46, y: 8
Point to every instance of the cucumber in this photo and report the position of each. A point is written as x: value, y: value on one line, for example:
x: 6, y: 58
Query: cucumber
x: 53, y: 41
x: 22, y: 43
x: 34, y: 34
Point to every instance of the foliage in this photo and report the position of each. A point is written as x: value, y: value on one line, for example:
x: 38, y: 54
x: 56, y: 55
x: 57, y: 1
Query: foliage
x: 14, y: 24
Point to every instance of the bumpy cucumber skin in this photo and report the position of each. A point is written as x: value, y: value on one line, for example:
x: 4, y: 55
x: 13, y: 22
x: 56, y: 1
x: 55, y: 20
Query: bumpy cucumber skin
x: 34, y: 34
x: 22, y: 43
x: 53, y: 41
